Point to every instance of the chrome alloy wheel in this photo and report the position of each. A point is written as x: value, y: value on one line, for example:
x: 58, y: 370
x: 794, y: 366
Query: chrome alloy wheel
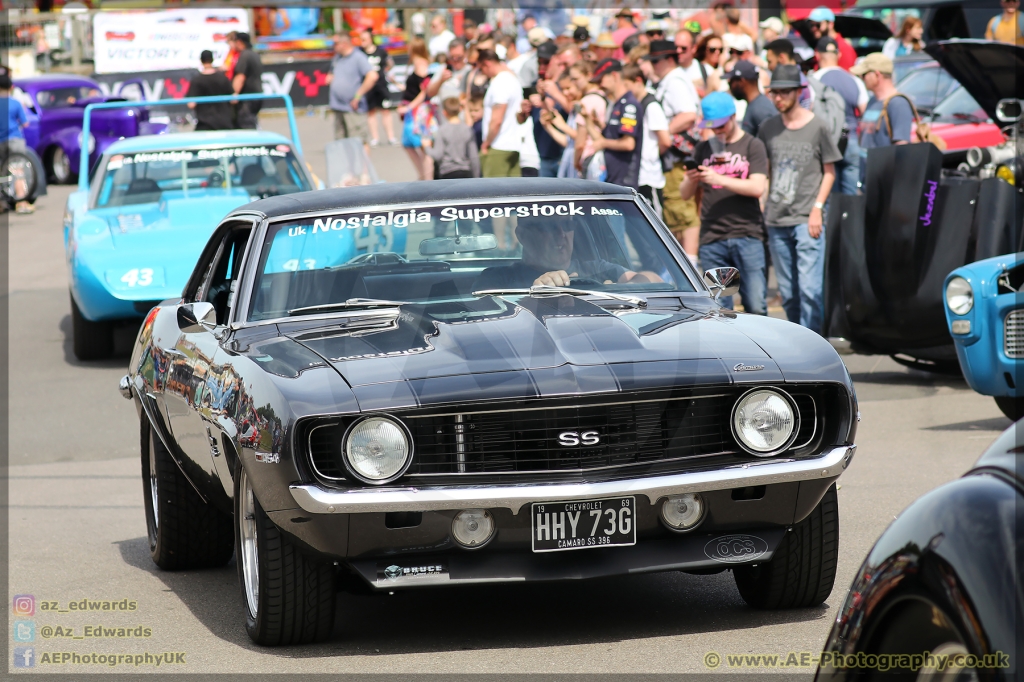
x: 154, y: 491
x: 249, y: 543
x: 61, y: 166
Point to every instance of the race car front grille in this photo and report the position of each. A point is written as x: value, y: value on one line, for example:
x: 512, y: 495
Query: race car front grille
x: 1013, y: 334
x: 576, y: 438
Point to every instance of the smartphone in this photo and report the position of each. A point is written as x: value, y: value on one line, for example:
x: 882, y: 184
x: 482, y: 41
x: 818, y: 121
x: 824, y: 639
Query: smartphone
x: 690, y: 164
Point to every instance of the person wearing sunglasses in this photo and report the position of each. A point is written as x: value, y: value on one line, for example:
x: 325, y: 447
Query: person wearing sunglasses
x: 802, y: 158
x: 733, y: 174
x: 1007, y: 27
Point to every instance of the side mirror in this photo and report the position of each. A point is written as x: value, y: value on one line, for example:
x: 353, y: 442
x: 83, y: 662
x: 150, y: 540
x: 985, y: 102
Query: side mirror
x: 197, y: 317
x: 722, y: 281
x: 1009, y: 110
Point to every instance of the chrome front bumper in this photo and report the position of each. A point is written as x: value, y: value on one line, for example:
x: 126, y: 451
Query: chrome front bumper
x: 318, y: 500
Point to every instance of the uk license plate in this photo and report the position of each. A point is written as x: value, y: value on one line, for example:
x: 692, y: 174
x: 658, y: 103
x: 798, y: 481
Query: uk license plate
x: 584, y: 524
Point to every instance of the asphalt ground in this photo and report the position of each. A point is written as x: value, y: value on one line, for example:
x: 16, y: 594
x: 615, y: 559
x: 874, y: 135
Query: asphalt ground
x: 77, y: 528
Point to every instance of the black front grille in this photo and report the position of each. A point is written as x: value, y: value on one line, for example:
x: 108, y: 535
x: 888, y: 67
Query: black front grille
x: 637, y: 434
x: 560, y: 438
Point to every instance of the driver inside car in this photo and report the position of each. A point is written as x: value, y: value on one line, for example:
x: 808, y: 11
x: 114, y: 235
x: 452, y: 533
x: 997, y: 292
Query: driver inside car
x: 548, y: 261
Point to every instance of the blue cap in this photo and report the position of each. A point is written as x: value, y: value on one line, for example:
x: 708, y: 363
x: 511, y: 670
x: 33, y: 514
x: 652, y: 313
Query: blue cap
x: 717, y: 108
x: 822, y: 14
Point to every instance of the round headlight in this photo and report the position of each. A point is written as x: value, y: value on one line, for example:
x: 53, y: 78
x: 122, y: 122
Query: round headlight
x: 377, y: 450
x: 959, y: 296
x: 764, y: 422
x: 682, y: 512
x: 92, y: 142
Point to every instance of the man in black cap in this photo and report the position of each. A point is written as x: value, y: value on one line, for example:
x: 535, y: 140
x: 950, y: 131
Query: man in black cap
x: 208, y: 83
x: 248, y: 79
x: 621, y: 135
x: 802, y: 157
x: 743, y: 85
x: 679, y: 100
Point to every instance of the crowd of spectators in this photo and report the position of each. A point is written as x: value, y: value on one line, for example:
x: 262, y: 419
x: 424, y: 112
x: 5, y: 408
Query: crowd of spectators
x: 735, y: 140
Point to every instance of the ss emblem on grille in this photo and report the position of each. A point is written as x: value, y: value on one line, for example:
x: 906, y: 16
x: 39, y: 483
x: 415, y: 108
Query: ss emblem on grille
x: 571, y: 438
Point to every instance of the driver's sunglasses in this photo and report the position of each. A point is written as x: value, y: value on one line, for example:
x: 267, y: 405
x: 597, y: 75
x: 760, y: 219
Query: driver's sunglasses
x: 551, y: 228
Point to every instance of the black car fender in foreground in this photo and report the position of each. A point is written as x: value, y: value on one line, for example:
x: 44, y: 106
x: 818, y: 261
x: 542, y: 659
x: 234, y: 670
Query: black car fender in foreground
x: 941, y: 590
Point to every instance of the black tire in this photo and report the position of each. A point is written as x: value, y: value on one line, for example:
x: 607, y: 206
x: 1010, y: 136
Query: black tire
x: 184, y: 531
x: 1011, y: 407
x: 802, y: 571
x: 90, y: 340
x: 58, y: 167
x: 20, y: 167
x: 294, y: 600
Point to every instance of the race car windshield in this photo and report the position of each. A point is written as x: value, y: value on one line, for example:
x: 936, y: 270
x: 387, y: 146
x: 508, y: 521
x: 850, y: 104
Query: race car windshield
x: 250, y: 171
x: 446, y: 253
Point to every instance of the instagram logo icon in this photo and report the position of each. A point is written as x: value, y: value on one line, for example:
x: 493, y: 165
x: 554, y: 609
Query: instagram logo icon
x: 24, y: 605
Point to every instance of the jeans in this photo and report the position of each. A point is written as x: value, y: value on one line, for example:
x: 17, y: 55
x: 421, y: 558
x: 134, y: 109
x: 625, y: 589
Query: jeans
x: 848, y: 170
x: 549, y: 167
x: 746, y: 254
x: 800, y: 270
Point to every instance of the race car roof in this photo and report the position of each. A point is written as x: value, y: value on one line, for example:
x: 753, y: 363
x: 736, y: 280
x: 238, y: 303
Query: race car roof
x: 439, y: 191
x: 213, y: 138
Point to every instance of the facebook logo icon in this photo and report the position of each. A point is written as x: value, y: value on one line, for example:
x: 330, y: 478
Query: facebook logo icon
x: 24, y: 657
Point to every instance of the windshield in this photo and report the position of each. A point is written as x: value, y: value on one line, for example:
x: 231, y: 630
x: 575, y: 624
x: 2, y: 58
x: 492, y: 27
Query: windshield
x: 59, y: 98
x: 445, y: 253
x: 959, y: 107
x: 927, y: 86
x: 254, y: 171
x: 892, y: 17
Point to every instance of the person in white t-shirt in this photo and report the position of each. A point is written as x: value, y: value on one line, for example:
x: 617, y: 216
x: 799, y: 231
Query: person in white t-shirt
x: 656, y: 139
x: 502, y: 136
x: 441, y: 36
x: 679, y: 100
x: 704, y: 80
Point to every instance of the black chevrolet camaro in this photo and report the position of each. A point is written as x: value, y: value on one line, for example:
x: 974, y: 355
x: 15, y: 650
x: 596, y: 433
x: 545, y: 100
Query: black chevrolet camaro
x: 479, y: 381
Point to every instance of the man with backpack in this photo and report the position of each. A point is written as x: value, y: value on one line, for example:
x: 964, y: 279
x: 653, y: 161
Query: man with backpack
x: 889, y: 116
x: 654, y: 136
x: 679, y: 100
x: 1007, y: 27
x: 855, y: 98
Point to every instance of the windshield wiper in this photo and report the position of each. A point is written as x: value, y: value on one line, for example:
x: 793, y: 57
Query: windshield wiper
x: 546, y: 290
x: 350, y: 304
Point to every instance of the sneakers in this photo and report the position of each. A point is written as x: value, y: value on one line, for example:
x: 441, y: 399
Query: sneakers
x: 374, y: 143
x: 393, y: 142
x: 25, y: 208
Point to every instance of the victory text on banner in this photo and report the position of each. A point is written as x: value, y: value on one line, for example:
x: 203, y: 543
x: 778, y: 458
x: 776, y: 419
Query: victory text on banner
x: 129, y: 42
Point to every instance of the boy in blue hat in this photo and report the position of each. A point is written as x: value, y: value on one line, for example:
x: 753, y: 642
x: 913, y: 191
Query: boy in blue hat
x: 733, y: 173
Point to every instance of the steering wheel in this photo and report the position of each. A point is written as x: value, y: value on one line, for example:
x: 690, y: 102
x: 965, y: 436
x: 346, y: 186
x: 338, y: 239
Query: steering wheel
x: 584, y: 281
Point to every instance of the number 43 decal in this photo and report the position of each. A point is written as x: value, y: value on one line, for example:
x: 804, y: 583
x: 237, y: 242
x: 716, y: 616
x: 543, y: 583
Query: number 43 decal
x: 138, y: 277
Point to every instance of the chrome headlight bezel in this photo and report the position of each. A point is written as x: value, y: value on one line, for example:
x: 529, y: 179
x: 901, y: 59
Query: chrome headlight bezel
x: 792, y: 436
x: 351, y: 469
x: 953, y: 298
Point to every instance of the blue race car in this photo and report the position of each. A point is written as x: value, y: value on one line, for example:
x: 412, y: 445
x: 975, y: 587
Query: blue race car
x: 133, y: 235
x: 985, y: 313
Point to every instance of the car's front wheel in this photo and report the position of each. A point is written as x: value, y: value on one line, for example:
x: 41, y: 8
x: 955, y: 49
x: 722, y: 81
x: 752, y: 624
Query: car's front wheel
x: 90, y: 340
x: 184, y: 531
x: 1011, y: 407
x: 59, y: 167
x: 288, y: 595
x: 802, y: 571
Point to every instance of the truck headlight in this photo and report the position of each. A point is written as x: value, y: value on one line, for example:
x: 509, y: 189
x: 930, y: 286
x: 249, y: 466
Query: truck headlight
x: 377, y: 450
x: 959, y: 296
x: 764, y: 422
x: 92, y: 143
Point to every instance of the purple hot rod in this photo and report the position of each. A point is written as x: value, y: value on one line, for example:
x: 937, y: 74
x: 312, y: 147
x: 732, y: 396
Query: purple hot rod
x: 55, y: 104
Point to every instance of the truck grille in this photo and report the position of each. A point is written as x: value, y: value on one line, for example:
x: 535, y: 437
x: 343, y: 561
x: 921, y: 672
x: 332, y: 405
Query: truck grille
x: 1013, y: 334
x: 556, y: 436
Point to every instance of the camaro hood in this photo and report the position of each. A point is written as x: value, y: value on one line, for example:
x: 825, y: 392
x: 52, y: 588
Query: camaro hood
x: 478, y: 346
x: 990, y: 71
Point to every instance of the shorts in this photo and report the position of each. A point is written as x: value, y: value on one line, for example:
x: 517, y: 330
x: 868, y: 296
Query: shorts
x: 409, y: 138
x: 498, y: 163
x: 378, y: 98
x: 351, y: 124
x: 679, y: 214
x: 12, y: 144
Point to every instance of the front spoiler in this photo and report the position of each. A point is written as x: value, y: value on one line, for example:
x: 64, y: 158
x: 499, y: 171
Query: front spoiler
x: 697, y: 552
x: 316, y: 499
